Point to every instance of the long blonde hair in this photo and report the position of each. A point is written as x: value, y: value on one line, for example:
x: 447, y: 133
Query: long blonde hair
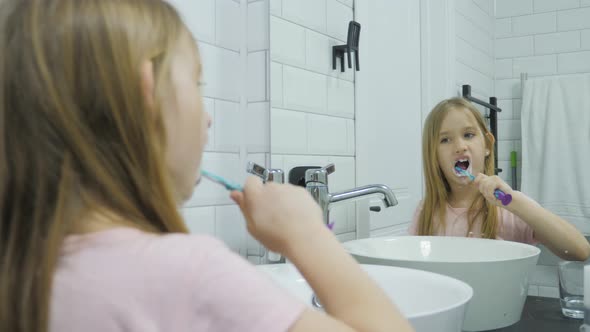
x: 76, y: 133
x: 437, y: 187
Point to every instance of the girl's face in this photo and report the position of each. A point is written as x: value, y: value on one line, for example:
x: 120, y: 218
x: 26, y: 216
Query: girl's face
x: 185, y: 121
x: 461, y: 143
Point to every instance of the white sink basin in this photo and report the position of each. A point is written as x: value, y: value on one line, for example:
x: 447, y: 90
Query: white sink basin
x: 496, y: 270
x: 430, y: 301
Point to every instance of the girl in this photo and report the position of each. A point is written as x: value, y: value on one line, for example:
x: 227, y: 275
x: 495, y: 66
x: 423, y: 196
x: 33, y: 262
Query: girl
x: 101, y: 137
x: 455, y: 135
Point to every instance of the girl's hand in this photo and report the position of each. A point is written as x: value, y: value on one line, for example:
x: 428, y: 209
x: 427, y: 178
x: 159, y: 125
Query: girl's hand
x: 488, y: 184
x: 279, y: 215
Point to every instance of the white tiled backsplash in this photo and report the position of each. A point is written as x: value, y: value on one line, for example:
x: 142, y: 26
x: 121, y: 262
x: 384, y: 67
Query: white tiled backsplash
x: 540, y: 38
x: 474, y: 47
x: 234, y: 47
x: 312, y: 114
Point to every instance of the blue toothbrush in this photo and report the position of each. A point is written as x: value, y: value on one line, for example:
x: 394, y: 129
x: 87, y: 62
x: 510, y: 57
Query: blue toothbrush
x: 218, y: 179
x: 232, y: 186
x: 499, y: 194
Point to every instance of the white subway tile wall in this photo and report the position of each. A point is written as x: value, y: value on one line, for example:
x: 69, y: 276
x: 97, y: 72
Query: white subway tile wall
x: 304, y: 90
x: 258, y: 127
x: 287, y: 42
x: 227, y: 122
x: 540, y: 38
x: 514, y: 47
x: 559, y: 42
x: 233, y: 39
x: 507, y: 110
x: 258, y: 36
x: 506, y: 8
x: 328, y: 135
x: 340, y: 98
x: 552, y: 5
x: 338, y: 16
x: 221, y: 72
x: 288, y: 131
x: 309, y: 14
x: 474, y: 46
x: 503, y: 69
x: 276, y: 7
x: 503, y: 27
x: 227, y: 13
x: 312, y: 114
x: 585, y: 43
x: 574, y: 19
x: 257, y: 63
x: 536, y: 65
x: 534, y: 24
x: 574, y: 63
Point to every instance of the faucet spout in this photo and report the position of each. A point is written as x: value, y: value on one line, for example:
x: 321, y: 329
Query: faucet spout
x: 316, y: 183
x: 386, y: 194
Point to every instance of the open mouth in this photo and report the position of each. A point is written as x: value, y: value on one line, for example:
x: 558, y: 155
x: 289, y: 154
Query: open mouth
x: 462, y: 164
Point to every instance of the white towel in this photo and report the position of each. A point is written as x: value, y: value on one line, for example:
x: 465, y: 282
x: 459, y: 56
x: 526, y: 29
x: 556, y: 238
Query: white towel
x: 556, y: 146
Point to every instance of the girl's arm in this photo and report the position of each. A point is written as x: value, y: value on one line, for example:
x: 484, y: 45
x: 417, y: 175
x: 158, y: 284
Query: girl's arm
x: 561, y: 237
x: 287, y: 220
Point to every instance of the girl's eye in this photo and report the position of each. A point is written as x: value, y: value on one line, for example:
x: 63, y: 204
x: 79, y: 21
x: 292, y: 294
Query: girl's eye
x: 469, y: 135
x: 444, y: 140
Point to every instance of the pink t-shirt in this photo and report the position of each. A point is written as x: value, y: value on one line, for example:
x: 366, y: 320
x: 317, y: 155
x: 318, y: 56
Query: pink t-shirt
x: 511, y: 227
x: 123, y: 279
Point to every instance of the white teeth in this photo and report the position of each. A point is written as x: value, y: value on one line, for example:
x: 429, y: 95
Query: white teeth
x: 463, y: 160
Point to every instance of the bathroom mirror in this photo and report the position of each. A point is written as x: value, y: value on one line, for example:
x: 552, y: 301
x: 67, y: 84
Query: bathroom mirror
x: 412, y: 55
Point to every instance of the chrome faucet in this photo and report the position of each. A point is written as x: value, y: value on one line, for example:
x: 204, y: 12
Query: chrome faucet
x: 268, y: 175
x: 316, y: 183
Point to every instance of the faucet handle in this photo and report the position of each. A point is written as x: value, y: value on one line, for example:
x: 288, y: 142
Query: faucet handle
x: 319, y: 174
x: 330, y: 168
x: 257, y: 170
x: 267, y: 175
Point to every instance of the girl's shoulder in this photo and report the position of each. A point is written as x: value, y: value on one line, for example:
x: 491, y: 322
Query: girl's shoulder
x: 128, y: 253
x: 127, y: 277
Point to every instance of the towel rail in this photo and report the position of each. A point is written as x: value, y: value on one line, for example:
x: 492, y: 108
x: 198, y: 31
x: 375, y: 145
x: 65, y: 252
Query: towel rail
x: 493, y: 116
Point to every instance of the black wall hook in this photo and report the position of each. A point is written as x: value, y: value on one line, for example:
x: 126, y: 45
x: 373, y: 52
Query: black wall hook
x: 352, y: 45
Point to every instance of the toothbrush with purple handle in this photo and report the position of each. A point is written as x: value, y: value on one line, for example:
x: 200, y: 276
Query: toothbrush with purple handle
x: 500, y: 195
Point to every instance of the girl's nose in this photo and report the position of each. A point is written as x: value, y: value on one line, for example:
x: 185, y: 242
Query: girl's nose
x: 461, y: 146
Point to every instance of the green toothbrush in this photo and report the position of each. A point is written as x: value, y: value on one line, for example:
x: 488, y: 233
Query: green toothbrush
x: 513, y: 166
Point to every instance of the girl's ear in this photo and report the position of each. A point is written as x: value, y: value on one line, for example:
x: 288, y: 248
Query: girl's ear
x: 491, y: 141
x: 147, y: 82
x: 491, y: 138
